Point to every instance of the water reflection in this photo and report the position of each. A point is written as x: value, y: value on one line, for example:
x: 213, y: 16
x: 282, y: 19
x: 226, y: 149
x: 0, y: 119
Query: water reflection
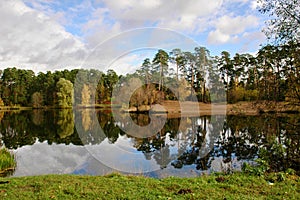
x: 46, y: 141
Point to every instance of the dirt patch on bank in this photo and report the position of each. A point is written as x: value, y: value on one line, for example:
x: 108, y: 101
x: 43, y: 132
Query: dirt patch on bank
x: 175, y: 109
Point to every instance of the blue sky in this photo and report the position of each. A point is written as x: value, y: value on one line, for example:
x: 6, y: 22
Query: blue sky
x: 51, y: 34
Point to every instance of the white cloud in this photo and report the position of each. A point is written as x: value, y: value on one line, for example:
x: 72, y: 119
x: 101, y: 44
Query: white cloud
x: 127, y: 63
x: 115, y: 17
x: 42, y: 158
x: 251, y: 40
x: 217, y: 37
x: 255, y: 4
x: 136, y: 13
x: 31, y: 38
x: 228, y: 28
x: 235, y: 25
x: 237, y: 1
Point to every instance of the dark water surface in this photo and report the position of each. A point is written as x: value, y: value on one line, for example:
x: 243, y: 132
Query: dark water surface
x: 87, y: 142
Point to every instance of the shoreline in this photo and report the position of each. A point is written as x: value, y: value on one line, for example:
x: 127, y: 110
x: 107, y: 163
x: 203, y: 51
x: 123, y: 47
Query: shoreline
x: 173, y: 108
x: 188, y: 108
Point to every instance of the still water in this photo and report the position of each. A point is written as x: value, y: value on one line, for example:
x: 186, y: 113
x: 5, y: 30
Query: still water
x: 91, y: 142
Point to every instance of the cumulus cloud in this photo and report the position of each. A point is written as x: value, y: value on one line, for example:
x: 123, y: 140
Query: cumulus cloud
x: 57, y: 159
x: 158, y: 10
x: 216, y: 37
x: 228, y: 28
x: 29, y: 37
x: 252, y: 40
x: 235, y: 25
x: 178, y: 15
x: 113, y: 17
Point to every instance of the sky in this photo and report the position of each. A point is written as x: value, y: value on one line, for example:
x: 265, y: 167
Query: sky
x: 48, y: 35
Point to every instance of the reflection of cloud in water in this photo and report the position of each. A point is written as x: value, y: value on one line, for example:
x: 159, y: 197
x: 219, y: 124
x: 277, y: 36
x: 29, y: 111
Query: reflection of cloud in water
x: 122, y: 156
x: 218, y: 165
x: 41, y: 158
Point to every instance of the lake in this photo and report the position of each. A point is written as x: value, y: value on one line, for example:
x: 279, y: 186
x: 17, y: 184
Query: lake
x: 87, y: 141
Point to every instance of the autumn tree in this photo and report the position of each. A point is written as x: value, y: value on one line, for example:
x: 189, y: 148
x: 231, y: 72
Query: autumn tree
x: 85, y: 95
x: 37, y: 100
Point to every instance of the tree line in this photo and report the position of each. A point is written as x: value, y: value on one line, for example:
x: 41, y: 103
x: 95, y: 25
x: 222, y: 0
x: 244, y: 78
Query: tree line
x: 272, y: 74
x: 20, y: 87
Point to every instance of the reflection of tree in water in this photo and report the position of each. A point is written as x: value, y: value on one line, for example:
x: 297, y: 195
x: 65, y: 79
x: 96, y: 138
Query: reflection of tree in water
x: 19, y: 128
x: 240, y: 138
x: 243, y: 137
x: 93, y: 126
x: 265, y: 136
x: 156, y: 147
x: 140, y: 119
x: 191, y: 143
x: 282, y: 148
x: 111, y: 131
x: 87, y: 126
x: 1, y: 115
x: 65, y: 122
x: 109, y: 126
x: 86, y: 119
x: 15, y: 131
x: 38, y: 116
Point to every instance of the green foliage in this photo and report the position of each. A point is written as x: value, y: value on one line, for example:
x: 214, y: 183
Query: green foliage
x: 259, y: 169
x: 241, y: 94
x: 16, y: 86
x: 270, y: 159
x: 65, y: 122
x: 65, y: 93
x: 274, y: 152
x: 284, y: 20
x: 7, y: 160
x: 116, y: 186
x: 161, y: 60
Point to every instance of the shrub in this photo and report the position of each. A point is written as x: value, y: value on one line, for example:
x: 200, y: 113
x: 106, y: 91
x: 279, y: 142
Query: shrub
x: 7, y: 160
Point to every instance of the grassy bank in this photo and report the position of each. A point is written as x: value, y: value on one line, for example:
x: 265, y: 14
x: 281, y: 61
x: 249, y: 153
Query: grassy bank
x: 7, y: 161
x: 115, y: 186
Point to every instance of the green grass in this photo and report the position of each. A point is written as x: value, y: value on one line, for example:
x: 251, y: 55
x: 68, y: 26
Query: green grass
x: 7, y: 161
x: 115, y: 186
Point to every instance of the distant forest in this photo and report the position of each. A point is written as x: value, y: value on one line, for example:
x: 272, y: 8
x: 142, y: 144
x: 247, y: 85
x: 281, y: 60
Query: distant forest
x: 272, y: 74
